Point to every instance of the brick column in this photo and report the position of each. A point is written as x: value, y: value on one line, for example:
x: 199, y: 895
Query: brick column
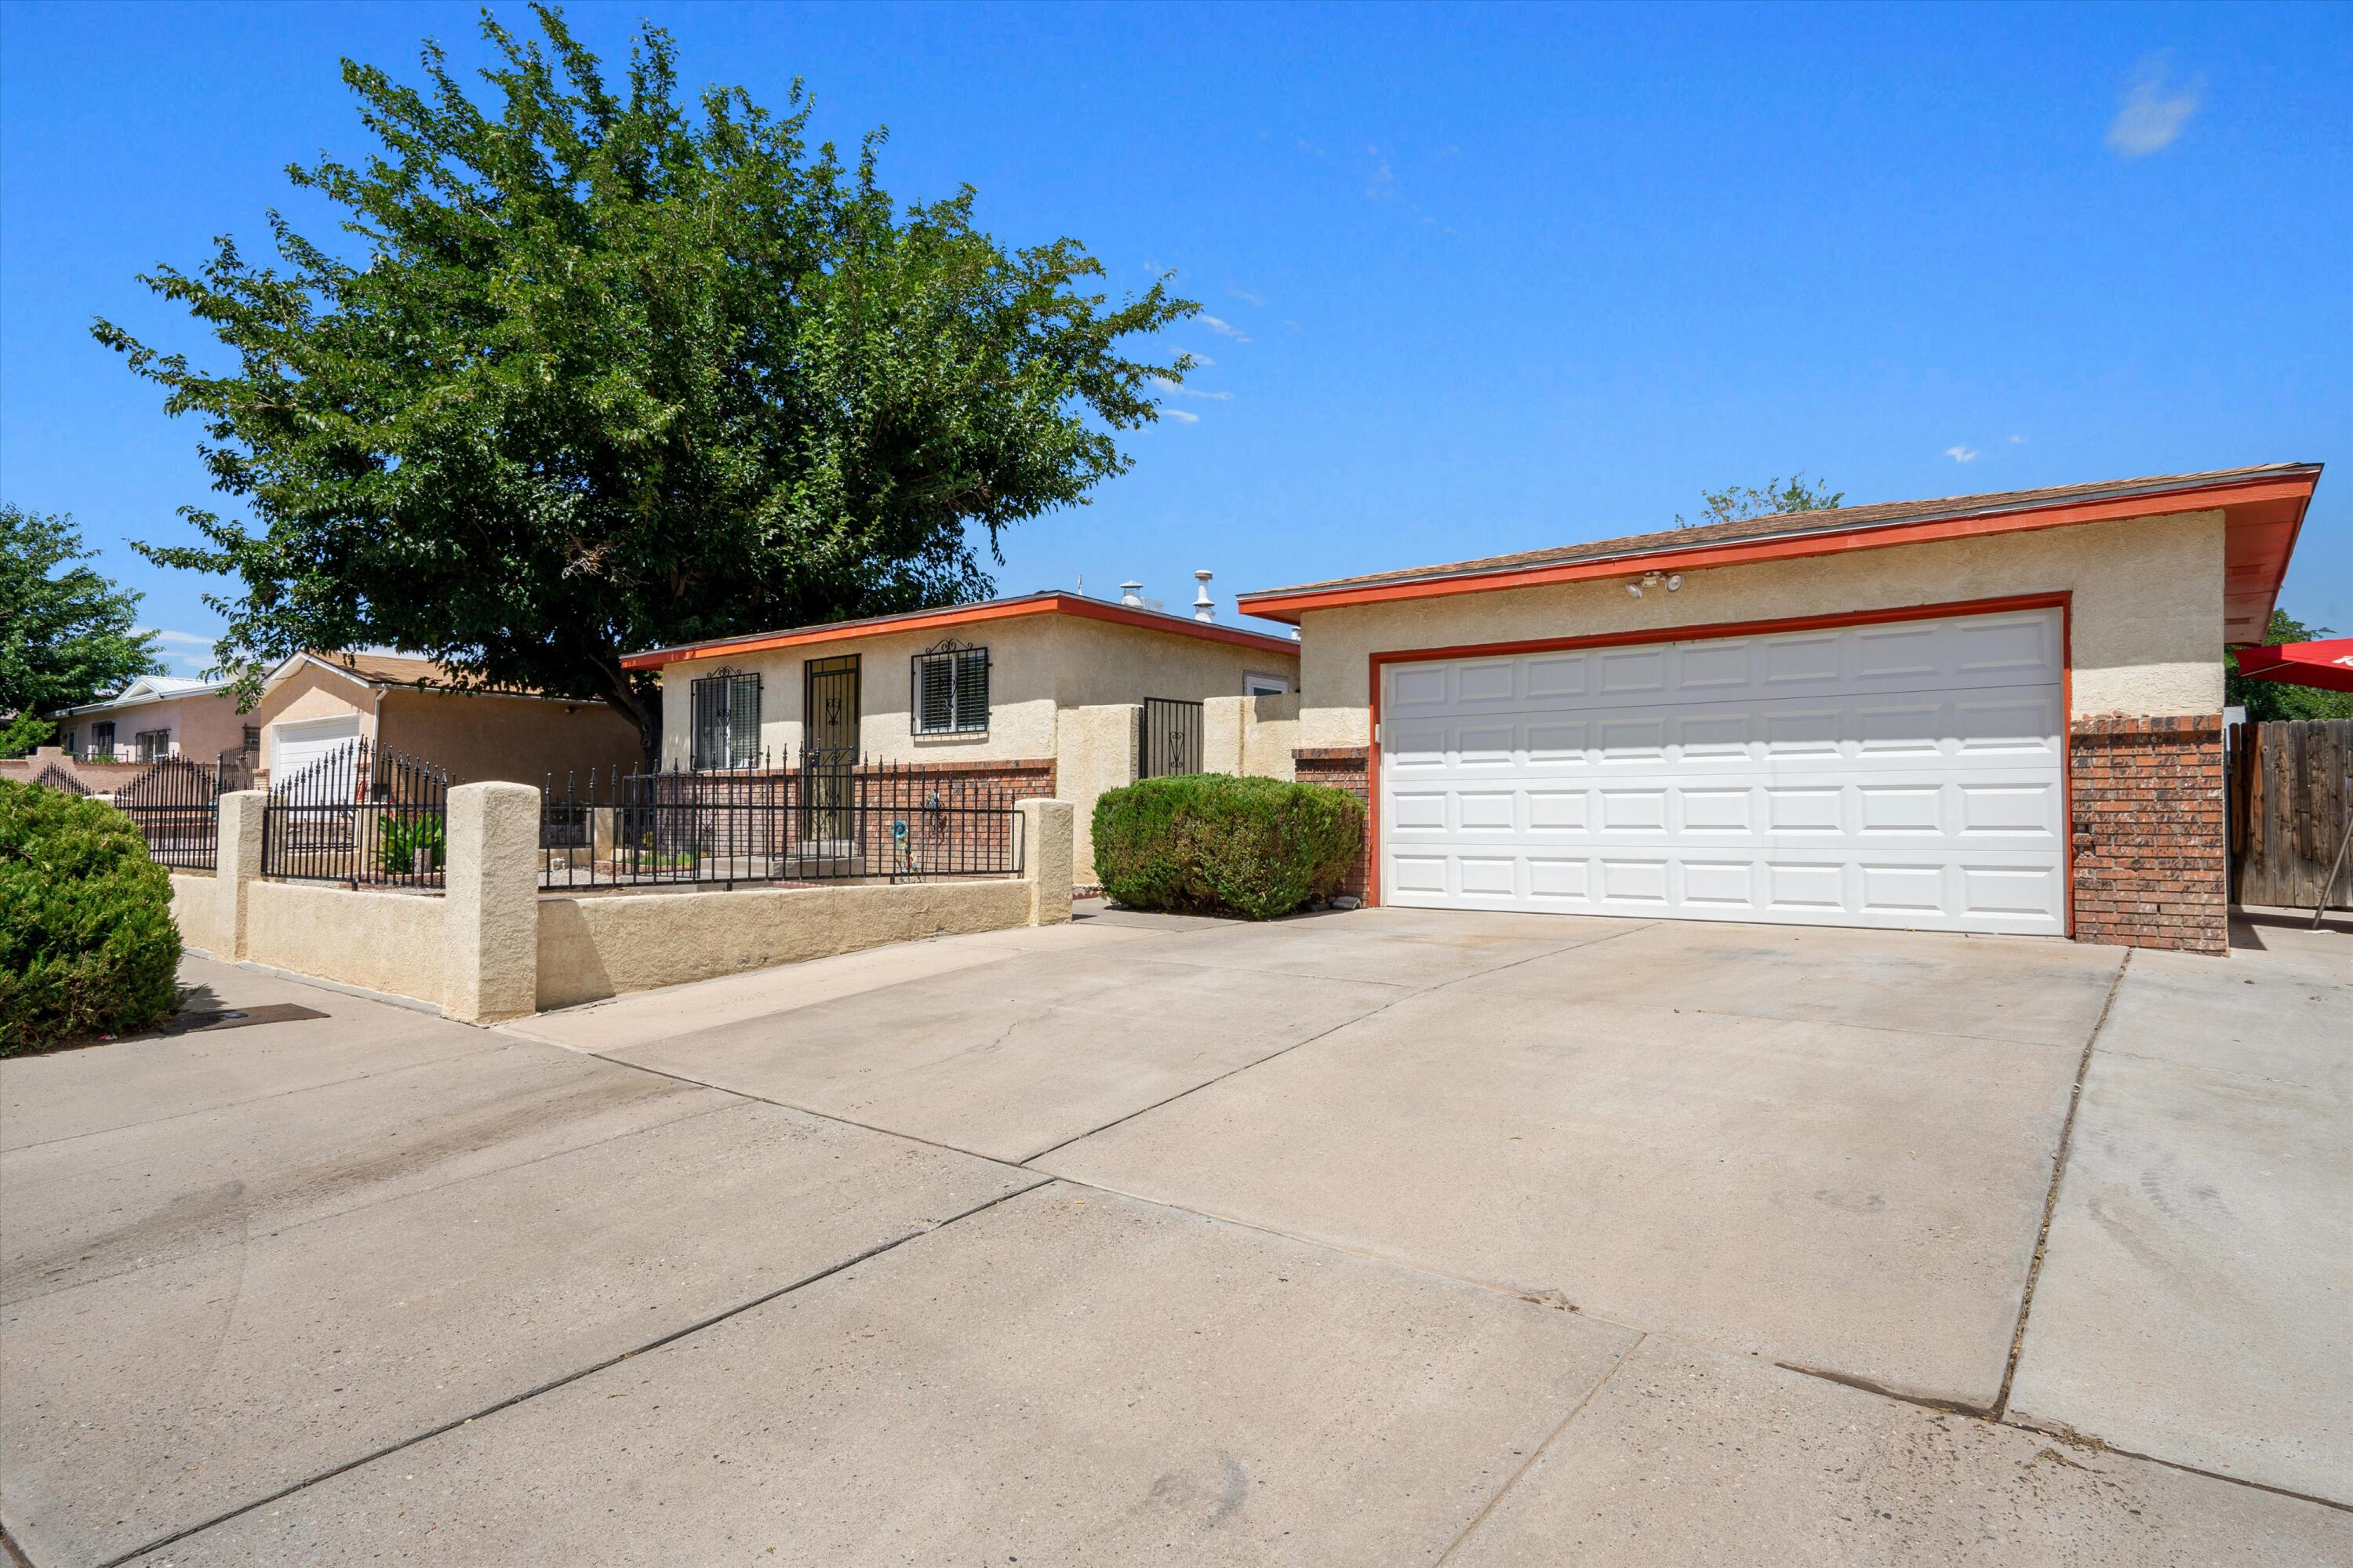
x: 2151, y: 848
x: 490, y: 904
x: 237, y: 863
x: 1346, y: 767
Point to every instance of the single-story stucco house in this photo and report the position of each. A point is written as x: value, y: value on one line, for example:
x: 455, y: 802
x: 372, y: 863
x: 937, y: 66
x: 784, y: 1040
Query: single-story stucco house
x: 316, y: 703
x: 1989, y: 712
x: 1048, y: 692
x: 155, y: 716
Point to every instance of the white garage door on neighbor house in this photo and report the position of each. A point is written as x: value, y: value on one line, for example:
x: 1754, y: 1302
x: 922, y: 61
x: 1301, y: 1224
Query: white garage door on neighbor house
x: 299, y: 744
x: 1900, y: 774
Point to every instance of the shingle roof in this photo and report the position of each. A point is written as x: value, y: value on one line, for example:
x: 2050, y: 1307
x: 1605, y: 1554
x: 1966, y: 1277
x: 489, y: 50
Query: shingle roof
x: 1789, y: 523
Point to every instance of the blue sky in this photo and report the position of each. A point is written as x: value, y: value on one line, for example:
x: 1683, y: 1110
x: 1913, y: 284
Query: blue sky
x: 1475, y: 280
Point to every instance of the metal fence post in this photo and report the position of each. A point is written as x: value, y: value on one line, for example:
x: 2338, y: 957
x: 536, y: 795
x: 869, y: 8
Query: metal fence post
x: 490, y: 915
x: 237, y: 863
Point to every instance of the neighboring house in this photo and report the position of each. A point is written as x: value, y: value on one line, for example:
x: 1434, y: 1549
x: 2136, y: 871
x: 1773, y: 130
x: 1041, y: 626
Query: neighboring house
x: 154, y: 717
x: 1992, y: 712
x: 313, y: 704
x: 1048, y: 692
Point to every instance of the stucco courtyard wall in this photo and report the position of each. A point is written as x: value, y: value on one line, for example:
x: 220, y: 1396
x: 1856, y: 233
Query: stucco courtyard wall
x: 382, y: 940
x: 2146, y: 617
x: 196, y: 910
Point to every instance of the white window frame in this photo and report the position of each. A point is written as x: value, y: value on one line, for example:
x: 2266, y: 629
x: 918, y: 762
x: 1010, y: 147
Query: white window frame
x: 1255, y: 684
x: 958, y: 664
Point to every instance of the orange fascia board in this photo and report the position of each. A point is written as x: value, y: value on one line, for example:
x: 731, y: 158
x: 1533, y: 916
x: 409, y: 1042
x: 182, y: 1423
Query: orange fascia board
x: 2257, y: 496
x: 964, y: 615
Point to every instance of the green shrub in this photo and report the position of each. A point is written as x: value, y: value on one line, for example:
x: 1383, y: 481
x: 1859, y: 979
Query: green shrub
x: 87, y: 943
x: 402, y: 837
x: 1207, y: 843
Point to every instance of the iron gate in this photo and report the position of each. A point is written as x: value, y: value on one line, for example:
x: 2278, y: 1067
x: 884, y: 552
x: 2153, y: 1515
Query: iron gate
x: 1172, y: 737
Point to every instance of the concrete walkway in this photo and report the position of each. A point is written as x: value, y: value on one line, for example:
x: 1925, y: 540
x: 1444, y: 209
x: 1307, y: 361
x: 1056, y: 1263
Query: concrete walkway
x: 1385, y: 1237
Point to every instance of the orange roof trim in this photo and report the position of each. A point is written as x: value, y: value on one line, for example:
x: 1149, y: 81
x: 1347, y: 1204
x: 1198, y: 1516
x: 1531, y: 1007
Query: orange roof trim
x: 2262, y: 509
x: 1049, y: 603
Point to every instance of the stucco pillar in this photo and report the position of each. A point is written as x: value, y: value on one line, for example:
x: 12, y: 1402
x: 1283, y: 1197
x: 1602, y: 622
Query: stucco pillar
x: 1046, y: 835
x: 490, y: 913
x: 237, y: 863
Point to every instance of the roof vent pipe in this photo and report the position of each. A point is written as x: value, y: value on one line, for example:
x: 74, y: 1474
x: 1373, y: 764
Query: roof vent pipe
x: 1131, y: 593
x: 1202, y: 609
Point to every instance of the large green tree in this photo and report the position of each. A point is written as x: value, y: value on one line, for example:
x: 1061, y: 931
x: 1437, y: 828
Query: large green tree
x: 597, y: 370
x: 67, y: 634
x: 1737, y: 503
x: 2278, y: 699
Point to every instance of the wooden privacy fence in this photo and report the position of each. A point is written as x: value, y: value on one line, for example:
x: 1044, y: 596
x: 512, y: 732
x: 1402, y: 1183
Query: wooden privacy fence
x: 2289, y: 804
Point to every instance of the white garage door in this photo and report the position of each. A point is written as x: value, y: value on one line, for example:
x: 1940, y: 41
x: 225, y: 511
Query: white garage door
x: 1904, y: 774
x: 296, y: 746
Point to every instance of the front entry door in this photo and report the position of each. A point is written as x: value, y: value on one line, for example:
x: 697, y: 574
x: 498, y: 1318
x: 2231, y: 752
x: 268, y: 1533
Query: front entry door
x: 829, y: 746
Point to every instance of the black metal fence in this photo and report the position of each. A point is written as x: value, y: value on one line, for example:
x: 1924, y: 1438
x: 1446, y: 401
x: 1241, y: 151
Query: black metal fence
x: 56, y: 777
x: 358, y: 816
x: 176, y: 805
x: 833, y: 819
x: 1171, y: 741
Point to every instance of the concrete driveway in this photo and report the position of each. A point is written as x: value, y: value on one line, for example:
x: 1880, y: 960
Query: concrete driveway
x: 1385, y: 1237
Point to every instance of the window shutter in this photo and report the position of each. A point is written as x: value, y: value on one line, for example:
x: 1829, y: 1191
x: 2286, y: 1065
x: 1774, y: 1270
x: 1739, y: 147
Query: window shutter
x: 743, y: 721
x: 971, y: 689
x: 727, y: 720
x: 935, y: 695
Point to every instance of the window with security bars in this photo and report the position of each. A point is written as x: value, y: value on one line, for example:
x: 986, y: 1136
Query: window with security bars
x: 952, y: 692
x: 152, y: 744
x: 727, y: 721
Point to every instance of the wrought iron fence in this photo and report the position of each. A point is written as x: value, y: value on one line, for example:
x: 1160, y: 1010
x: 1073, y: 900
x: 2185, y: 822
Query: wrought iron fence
x: 56, y: 777
x: 1171, y: 738
x: 832, y: 818
x: 357, y: 815
x: 176, y: 805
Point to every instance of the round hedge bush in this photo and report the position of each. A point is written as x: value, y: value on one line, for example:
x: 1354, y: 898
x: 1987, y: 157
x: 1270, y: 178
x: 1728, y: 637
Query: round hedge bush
x: 1209, y: 843
x: 87, y: 942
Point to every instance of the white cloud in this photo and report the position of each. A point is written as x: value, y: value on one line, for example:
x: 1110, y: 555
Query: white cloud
x: 192, y: 650
x: 1182, y: 391
x: 2153, y: 114
x: 2017, y: 440
x: 1195, y: 354
x: 1224, y: 328
x: 1962, y: 454
x: 1248, y: 298
x: 1187, y: 415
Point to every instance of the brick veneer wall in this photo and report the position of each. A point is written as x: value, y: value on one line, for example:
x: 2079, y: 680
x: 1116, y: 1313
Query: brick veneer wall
x: 1346, y: 767
x: 2151, y: 848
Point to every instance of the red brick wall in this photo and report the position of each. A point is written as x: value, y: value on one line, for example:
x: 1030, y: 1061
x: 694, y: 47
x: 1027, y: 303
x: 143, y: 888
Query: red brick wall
x: 1346, y: 767
x: 2151, y: 850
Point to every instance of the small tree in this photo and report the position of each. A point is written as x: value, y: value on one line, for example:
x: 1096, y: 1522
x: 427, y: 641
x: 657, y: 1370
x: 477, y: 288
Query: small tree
x: 67, y: 634
x: 1737, y: 503
x: 609, y: 372
x: 2277, y: 699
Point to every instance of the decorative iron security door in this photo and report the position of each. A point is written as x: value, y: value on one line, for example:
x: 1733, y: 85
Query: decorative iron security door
x: 1172, y: 737
x: 829, y: 748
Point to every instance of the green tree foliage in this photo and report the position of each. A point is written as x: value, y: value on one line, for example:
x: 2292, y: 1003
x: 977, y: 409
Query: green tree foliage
x: 1737, y: 503
x: 612, y: 370
x: 87, y: 943
x: 1209, y: 843
x: 2276, y: 699
x: 67, y: 634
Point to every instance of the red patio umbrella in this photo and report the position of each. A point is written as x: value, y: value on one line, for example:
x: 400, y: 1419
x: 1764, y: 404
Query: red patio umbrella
x: 2328, y: 665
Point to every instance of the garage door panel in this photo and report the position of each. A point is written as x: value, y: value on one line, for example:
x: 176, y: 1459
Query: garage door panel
x: 1850, y: 802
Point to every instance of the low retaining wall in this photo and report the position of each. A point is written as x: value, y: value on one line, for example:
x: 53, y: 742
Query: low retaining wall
x: 602, y: 945
x: 493, y: 946
x: 196, y: 910
x: 384, y: 941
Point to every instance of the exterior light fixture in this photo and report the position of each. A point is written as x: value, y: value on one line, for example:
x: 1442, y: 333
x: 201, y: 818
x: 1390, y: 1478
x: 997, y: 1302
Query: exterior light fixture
x: 1674, y: 582
x: 1633, y: 590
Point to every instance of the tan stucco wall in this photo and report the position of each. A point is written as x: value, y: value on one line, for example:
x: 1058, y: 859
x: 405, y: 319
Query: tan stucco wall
x: 481, y: 737
x: 1094, y: 750
x: 2146, y: 627
x: 1037, y: 664
x: 602, y: 945
x: 196, y: 910
x: 384, y: 942
x: 311, y: 693
x: 1249, y: 736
